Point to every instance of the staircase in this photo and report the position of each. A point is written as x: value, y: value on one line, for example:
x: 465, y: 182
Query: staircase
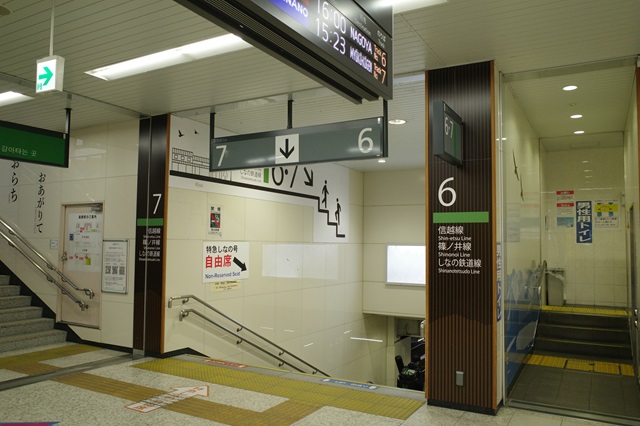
x: 22, y: 325
x: 586, y: 335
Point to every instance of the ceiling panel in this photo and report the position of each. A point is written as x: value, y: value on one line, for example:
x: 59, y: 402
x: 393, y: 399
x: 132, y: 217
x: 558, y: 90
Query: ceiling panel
x: 602, y: 98
x: 520, y: 35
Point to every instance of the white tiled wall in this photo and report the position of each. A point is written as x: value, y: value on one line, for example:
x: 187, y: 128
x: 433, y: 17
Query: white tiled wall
x: 595, y: 274
x: 103, y: 167
x: 305, y: 296
x: 394, y: 213
x: 392, y: 216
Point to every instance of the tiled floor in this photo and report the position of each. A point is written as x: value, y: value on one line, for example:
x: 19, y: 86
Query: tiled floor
x: 613, y: 394
x: 196, y: 391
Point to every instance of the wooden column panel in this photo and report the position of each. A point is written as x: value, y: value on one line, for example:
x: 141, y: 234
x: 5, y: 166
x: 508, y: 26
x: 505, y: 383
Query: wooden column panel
x: 461, y: 247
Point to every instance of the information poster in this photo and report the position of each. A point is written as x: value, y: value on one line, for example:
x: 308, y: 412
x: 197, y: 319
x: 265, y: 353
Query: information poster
x: 225, y: 261
x: 565, y: 209
x: 84, y: 245
x: 607, y: 214
x: 215, y: 220
x: 114, y: 259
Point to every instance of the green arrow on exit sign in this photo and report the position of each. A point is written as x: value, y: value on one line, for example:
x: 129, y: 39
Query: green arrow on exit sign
x: 49, y: 74
x: 46, y: 76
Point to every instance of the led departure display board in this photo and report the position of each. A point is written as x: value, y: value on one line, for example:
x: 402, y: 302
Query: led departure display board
x: 336, y: 42
x: 448, y: 133
x: 346, y: 33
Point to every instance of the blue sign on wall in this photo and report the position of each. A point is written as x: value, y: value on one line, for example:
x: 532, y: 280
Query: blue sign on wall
x: 584, y: 222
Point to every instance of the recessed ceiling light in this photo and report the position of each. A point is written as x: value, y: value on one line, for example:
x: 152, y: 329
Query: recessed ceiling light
x: 179, y: 55
x: 576, y: 116
x: 579, y: 132
x: 397, y: 121
x: 569, y: 88
x: 8, y: 98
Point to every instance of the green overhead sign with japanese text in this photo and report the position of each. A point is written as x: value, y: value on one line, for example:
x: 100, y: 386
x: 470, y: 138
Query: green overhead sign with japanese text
x: 33, y: 145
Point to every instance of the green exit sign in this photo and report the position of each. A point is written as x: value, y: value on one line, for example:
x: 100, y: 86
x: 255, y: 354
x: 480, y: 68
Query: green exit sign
x: 33, y: 145
x: 49, y: 74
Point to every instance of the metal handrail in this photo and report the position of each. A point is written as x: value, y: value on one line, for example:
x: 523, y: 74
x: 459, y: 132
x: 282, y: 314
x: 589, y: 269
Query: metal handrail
x: 185, y: 313
x: 185, y: 299
x: 81, y: 303
x: 64, y: 278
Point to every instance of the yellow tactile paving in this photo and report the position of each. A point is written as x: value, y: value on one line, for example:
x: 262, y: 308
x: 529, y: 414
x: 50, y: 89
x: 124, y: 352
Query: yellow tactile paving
x: 552, y: 361
x: 579, y: 364
x: 626, y: 370
x: 310, y: 394
x: 192, y: 406
x: 547, y: 361
x: 31, y: 369
x: 606, y: 367
x: 534, y: 360
x: 586, y: 310
x: 305, y: 397
x: 11, y: 362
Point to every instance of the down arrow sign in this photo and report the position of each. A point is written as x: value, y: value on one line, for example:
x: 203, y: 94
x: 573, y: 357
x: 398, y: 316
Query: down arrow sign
x: 287, y: 152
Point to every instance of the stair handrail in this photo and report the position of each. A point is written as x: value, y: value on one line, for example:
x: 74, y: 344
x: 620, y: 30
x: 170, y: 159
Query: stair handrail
x: 83, y: 305
x: 26, y: 243
x: 185, y: 299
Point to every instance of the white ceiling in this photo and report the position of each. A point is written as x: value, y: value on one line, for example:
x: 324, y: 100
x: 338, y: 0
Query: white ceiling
x: 248, y: 89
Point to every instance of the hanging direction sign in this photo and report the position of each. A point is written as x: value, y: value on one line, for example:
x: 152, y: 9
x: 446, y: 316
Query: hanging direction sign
x: 346, y: 45
x: 49, y: 74
x: 349, y: 140
x: 33, y: 145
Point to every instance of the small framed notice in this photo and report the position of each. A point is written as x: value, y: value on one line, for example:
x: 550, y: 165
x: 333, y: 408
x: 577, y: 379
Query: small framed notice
x: 114, y: 266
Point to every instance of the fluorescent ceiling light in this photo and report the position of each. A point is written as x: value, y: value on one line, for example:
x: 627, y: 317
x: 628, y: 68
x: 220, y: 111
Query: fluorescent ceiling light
x: 569, y: 88
x: 576, y: 116
x: 579, y: 132
x: 367, y: 340
x: 179, y: 55
x: 400, y: 6
x: 397, y: 121
x: 382, y: 160
x: 8, y: 98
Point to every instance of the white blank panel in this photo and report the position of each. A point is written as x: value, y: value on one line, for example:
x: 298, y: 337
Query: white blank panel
x: 406, y: 265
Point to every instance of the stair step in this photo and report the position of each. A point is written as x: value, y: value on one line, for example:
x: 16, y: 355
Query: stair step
x: 14, y: 328
x: 9, y: 290
x: 586, y: 334
x: 607, y: 350
x: 584, y: 320
x: 17, y: 314
x: 5, y: 279
x: 14, y: 302
x: 13, y: 343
